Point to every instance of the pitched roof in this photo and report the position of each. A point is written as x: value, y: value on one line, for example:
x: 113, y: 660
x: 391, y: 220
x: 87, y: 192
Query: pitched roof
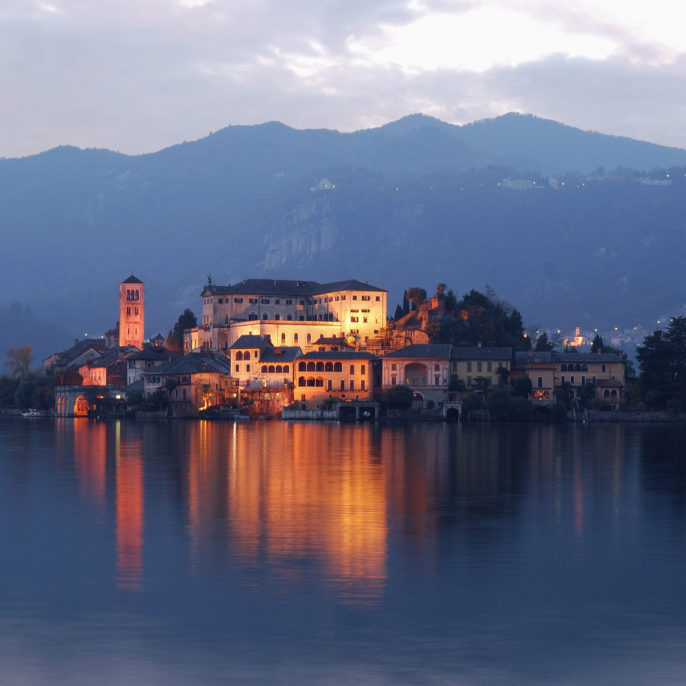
x: 476, y: 353
x: 528, y: 357
x: 194, y: 363
x: 430, y: 350
x: 153, y: 353
x: 609, y: 383
x: 338, y: 355
x: 585, y: 357
x: 347, y: 285
x: 132, y: 279
x: 287, y: 287
x: 251, y: 341
x: 280, y: 354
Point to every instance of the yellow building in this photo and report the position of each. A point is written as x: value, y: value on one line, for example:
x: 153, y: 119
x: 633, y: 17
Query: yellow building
x: 334, y: 375
x: 469, y: 363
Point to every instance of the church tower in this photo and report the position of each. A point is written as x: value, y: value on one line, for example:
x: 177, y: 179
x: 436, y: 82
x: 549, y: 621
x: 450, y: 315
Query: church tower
x: 131, y: 312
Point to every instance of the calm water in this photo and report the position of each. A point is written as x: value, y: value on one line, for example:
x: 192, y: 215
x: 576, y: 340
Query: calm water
x: 286, y: 553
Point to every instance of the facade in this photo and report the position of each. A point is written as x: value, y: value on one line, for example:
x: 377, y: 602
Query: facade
x: 108, y: 369
x: 256, y: 363
x: 549, y: 370
x: 289, y: 312
x: 425, y: 368
x: 335, y: 376
x: 470, y: 363
x: 139, y: 361
x: 198, y: 381
x: 131, y: 312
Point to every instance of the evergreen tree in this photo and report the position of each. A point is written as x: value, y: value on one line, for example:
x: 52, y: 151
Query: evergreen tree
x: 597, y: 345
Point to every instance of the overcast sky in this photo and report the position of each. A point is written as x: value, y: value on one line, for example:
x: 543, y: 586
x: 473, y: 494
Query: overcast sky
x: 138, y: 75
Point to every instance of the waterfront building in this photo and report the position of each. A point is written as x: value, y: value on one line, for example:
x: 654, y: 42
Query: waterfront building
x: 470, y: 362
x: 255, y: 362
x: 425, y: 368
x: 151, y: 356
x: 330, y: 376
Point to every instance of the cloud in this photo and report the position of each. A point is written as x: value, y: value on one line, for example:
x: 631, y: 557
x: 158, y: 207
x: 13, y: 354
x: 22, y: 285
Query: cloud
x: 138, y: 75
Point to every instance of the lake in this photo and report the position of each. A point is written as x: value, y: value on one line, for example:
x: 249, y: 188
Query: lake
x: 294, y: 553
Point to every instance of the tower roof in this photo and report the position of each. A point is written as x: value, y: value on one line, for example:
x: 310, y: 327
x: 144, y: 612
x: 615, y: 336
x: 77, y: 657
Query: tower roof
x: 132, y: 279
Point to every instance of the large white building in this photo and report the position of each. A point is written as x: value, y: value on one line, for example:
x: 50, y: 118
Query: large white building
x: 292, y: 313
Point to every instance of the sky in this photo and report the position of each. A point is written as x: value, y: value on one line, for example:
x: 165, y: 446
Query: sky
x: 139, y: 75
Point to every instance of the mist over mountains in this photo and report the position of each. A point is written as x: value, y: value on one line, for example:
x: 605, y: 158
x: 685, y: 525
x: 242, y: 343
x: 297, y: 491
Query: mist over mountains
x: 570, y: 226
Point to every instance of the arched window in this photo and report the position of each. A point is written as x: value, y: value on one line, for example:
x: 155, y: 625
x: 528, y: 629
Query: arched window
x: 328, y: 367
x: 271, y: 368
x: 264, y: 368
x: 563, y: 368
x: 283, y: 339
x: 606, y: 394
x: 302, y: 367
x: 320, y: 366
x: 394, y: 366
x: 239, y: 355
x: 584, y: 368
x: 319, y: 382
x: 337, y: 367
x: 311, y: 367
x: 265, y: 316
x: 295, y: 338
x: 285, y: 369
x: 277, y: 317
x: 309, y: 338
x: 436, y: 368
x: 577, y: 367
x: 613, y: 393
x: 301, y: 381
x: 310, y: 381
x: 252, y: 316
x: 278, y: 369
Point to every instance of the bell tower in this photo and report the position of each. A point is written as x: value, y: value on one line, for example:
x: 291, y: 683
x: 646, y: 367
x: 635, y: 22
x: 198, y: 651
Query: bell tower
x: 131, y: 312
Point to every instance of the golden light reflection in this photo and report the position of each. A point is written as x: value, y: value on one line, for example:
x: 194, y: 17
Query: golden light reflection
x: 293, y: 491
x: 90, y: 460
x: 129, y: 512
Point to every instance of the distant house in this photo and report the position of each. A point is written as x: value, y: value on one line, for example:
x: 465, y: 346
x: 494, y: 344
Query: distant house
x: 108, y: 369
x: 425, y: 368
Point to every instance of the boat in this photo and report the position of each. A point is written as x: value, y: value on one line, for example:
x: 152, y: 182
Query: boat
x: 32, y: 413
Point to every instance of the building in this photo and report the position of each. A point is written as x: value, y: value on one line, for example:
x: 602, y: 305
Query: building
x: 425, y: 368
x: 549, y: 370
x: 193, y: 382
x: 470, y: 363
x: 140, y: 360
x: 131, y: 312
x: 330, y: 376
x: 256, y: 363
x: 290, y: 312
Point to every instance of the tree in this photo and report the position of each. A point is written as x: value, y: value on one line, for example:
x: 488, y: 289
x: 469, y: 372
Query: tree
x: 565, y: 394
x: 597, y: 345
x: 406, y: 304
x: 19, y: 360
x: 500, y: 403
x: 543, y: 344
x: 398, y: 313
x: 185, y: 321
x: 416, y: 296
x: 440, y: 290
x: 522, y: 387
x: 662, y: 360
x: 398, y: 397
x: 586, y: 393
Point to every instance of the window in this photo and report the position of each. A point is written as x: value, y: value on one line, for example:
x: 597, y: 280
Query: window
x: 302, y: 367
x: 583, y: 380
x: 364, y: 319
x: 289, y: 317
x: 311, y: 367
x: 271, y: 369
x: 394, y: 366
x: 128, y: 310
x: 277, y: 301
x: 239, y: 355
x: 336, y: 298
x: 264, y: 369
x: 283, y: 339
x: 289, y: 302
x: 247, y: 367
x: 328, y: 384
x: 342, y: 297
x: 354, y: 319
x: 265, y: 301
x: 320, y: 366
x: 489, y: 366
x: 479, y: 366
x: 378, y: 298
x: 540, y: 382
x: 571, y: 379
x: 602, y: 368
x: 295, y: 338
x: 393, y: 381
x: 366, y: 297
x: 277, y: 317
x: 363, y: 369
x: 352, y: 384
x: 301, y: 381
x: 342, y: 384
x: 469, y: 366
x: 252, y: 301
x: 436, y: 379
x: 238, y: 300
x: 220, y: 301
x: 563, y: 378
x: 354, y: 297
x: 362, y: 386
x: 279, y: 369
x: 265, y: 316
x: 352, y: 368
x: 309, y: 338
x: 436, y: 368
x: 254, y: 354
x: 337, y: 367
x: 238, y: 368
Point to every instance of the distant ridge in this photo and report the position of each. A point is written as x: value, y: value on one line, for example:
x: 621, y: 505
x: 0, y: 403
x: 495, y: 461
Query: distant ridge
x: 413, y: 202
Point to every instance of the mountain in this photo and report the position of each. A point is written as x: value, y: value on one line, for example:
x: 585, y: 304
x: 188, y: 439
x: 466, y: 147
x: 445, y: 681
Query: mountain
x: 413, y: 202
